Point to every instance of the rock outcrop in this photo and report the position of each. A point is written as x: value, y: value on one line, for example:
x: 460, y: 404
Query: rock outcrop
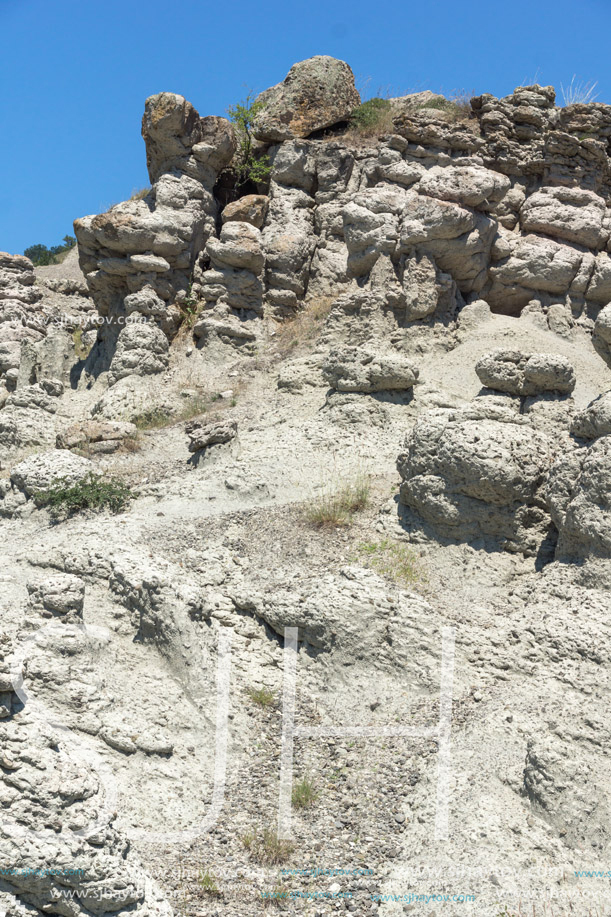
x: 471, y: 475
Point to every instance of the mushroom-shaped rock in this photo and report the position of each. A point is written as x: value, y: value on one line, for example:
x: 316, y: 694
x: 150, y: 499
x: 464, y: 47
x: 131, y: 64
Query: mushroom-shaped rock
x: 172, y: 127
x: 523, y: 374
x: 315, y: 94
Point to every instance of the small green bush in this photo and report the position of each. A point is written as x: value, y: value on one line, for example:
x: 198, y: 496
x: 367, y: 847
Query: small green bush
x: 371, y: 115
x: 207, y: 881
x: 394, y: 560
x: 246, y: 164
x: 262, y: 696
x: 93, y: 492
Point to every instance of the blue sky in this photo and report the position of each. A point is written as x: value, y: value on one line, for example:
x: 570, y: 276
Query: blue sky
x: 74, y: 75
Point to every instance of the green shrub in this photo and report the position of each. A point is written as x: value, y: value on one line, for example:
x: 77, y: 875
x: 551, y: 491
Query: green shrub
x: 262, y: 696
x: 372, y: 115
x: 93, y: 492
x: 246, y: 164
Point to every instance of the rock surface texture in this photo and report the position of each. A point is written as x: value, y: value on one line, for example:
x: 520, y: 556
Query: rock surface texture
x: 405, y: 554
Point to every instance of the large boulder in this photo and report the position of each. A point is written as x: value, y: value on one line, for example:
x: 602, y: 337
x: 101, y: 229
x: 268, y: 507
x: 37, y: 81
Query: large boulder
x: 315, y: 94
x: 354, y: 369
x: 48, y: 469
x: 472, y: 477
x: 525, y: 374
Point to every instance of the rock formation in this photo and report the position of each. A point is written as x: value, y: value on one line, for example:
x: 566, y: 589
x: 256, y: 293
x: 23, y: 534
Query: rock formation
x: 436, y: 287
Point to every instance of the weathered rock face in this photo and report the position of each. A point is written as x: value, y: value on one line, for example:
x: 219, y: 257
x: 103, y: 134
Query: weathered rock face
x: 316, y: 93
x: 579, y: 495
x: 201, y: 435
x: 140, y: 254
x: 526, y: 374
x: 507, y: 204
x: 595, y: 420
x: 472, y: 477
x: 358, y: 370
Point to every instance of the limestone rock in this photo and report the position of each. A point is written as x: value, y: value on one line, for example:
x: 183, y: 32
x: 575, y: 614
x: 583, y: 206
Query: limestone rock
x: 95, y: 436
x: 61, y: 594
x: 252, y: 208
x: 568, y: 213
x: 579, y: 496
x: 526, y: 374
x: 48, y: 469
x: 142, y: 350
x: 595, y: 420
x: 315, y: 94
x: 210, y: 434
x: 478, y: 478
x: 355, y: 369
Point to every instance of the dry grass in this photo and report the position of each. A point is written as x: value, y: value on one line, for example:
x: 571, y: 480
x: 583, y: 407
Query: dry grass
x: 579, y: 92
x: 457, y: 105
x: 266, y: 848
x: 304, y: 325
x: 160, y: 418
x: 336, y: 505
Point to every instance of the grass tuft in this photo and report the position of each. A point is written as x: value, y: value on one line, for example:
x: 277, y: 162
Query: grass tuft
x: 579, y: 92
x: 304, y: 793
x: 267, y: 848
x: 207, y: 882
x: 335, y: 507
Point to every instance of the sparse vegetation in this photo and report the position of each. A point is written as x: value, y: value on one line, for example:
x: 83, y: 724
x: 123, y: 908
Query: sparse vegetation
x: 81, y: 349
x: 304, y: 793
x: 138, y: 194
x: 40, y: 255
x: 207, y: 882
x: 579, y: 92
x: 247, y: 165
x: 154, y: 419
x: 458, y: 105
x: 304, y: 325
x: 336, y: 506
x: 372, y: 118
x: 264, y: 697
x: 94, y: 492
x: 394, y: 560
x: 266, y: 848
x: 159, y: 418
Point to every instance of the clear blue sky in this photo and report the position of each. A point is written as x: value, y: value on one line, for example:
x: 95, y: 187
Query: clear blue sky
x: 74, y: 75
